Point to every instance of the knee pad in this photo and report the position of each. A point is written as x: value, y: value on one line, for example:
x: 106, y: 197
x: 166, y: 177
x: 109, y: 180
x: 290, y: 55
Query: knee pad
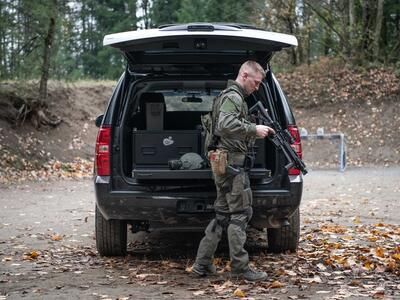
x: 240, y: 220
x: 221, y: 220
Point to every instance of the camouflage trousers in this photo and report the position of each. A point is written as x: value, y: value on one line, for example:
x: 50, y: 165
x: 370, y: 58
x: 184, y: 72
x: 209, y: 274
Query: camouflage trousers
x: 233, y: 213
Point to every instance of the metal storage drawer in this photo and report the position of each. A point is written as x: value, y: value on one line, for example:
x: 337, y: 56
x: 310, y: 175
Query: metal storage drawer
x: 158, y: 147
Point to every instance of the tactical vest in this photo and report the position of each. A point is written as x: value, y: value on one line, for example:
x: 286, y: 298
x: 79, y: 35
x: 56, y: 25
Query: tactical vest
x: 210, y: 120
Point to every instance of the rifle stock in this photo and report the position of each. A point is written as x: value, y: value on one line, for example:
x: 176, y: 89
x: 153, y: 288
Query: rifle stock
x: 282, y: 139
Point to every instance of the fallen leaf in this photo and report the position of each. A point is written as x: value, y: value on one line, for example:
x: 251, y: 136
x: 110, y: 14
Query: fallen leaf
x: 239, y: 293
x: 56, y: 237
x: 276, y: 285
x: 372, y: 239
x: 369, y: 265
x: 391, y: 266
x: 396, y: 256
x: 30, y: 255
x: 189, y: 269
x: 379, y: 252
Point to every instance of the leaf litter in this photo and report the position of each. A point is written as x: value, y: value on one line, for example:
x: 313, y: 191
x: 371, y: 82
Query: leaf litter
x: 359, y: 260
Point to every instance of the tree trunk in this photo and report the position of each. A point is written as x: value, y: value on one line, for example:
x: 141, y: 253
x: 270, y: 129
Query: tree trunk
x: 365, y: 29
x: 40, y: 115
x: 46, y: 59
x: 290, y: 21
x: 378, y: 28
x: 308, y: 47
x: 327, y: 40
x: 145, y: 6
x: 351, y: 30
x: 83, y: 34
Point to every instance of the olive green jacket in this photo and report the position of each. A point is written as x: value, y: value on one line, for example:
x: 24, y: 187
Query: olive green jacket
x: 233, y: 125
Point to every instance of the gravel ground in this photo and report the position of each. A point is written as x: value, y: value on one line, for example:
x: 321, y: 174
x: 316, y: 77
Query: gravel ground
x: 349, y: 247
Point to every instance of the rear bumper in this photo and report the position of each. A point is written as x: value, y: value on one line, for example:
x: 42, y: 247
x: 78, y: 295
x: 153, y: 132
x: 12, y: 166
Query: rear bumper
x: 163, y: 209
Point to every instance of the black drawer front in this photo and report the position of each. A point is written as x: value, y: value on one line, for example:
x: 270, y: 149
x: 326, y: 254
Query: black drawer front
x: 157, y: 147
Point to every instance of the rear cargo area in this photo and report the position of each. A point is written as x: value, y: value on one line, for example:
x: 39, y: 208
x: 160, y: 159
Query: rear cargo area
x: 163, y: 122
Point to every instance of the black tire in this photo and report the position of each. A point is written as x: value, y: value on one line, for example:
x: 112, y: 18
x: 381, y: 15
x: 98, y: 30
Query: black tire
x: 111, y: 236
x: 285, y: 238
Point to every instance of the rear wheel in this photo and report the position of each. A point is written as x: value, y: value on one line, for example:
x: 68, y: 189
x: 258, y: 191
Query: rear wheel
x: 111, y: 236
x: 285, y: 238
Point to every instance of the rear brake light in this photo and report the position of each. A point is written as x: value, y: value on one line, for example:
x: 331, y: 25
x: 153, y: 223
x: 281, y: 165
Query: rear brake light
x: 294, y: 132
x: 103, y: 151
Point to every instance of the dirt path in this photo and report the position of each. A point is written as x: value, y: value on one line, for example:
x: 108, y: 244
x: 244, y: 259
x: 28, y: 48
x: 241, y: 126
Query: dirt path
x: 349, y: 247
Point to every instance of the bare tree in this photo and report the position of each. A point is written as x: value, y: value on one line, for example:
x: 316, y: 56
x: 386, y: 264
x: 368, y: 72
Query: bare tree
x: 39, y: 114
x: 48, y: 42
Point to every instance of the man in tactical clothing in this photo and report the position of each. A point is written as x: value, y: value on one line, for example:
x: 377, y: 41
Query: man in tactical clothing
x: 233, y: 208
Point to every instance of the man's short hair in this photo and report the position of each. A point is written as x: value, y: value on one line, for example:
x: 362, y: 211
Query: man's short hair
x: 253, y: 66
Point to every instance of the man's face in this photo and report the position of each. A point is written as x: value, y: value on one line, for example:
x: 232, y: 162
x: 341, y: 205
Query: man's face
x: 251, y: 81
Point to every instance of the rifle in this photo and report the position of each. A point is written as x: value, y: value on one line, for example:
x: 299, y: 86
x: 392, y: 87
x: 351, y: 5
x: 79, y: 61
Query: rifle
x: 282, y: 139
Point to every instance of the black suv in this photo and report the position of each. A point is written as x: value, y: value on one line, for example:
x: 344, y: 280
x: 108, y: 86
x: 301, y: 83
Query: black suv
x: 173, y: 73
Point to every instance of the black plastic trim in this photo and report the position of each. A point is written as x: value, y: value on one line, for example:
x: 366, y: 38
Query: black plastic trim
x: 151, y: 174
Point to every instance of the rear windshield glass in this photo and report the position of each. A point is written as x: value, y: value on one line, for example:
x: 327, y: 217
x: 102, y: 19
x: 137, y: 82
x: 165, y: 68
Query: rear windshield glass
x: 189, y: 100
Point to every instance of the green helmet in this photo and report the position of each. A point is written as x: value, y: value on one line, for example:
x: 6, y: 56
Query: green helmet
x: 192, y: 161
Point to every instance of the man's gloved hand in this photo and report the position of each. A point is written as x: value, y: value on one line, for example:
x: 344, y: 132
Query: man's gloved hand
x: 263, y: 131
